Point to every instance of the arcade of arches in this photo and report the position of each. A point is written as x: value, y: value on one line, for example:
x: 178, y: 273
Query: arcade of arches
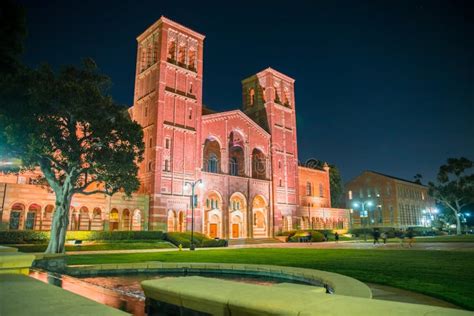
x: 232, y: 219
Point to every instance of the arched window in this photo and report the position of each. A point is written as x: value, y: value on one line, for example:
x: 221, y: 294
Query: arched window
x: 321, y: 190
x: 212, y: 163
x: 192, y: 59
x: 233, y: 166
x: 181, y: 54
x: 309, y: 189
x: 172, y: 50
x: 251, y: 96
x: 211, y: 156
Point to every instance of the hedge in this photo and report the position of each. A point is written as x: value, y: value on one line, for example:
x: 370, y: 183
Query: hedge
x: 316, y: 236
x: 33, y: 237
x: 200, y: 240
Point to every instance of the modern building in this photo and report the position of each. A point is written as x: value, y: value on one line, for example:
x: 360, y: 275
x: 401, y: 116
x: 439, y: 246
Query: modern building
x: 245, y: 161
x: 379, y: 200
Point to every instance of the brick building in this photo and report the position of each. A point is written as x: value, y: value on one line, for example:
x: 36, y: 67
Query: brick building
x: 394, y: 202
x: 246, y: 159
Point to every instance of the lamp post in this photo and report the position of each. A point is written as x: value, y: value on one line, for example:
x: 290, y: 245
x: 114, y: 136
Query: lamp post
x: 309, y: 215
x: 193, y: 185
x: 363, y: 213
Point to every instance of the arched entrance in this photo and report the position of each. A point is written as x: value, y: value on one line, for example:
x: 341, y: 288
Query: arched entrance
x: 259, y: 216
x: 97, y: 223
x: 47, y: 217
x: 236, y: 225
x: 114, y: 219
x: 126, y: 219
x: 213, y: 215
x: 237, y: 218
x: 171, y: 221
x: 137, y: 220
x: 16, y: 216
x: 181, y: 222
x: 74, y: 219
x: 32, y: 217
x: 84, y: 219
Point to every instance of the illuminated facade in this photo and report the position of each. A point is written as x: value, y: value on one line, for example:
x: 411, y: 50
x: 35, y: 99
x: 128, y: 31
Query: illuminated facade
x: 247, y: 159
x: 394, y: 202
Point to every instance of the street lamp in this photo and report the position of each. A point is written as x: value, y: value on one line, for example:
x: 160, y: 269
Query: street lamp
x: 193, y: 185
x: 363, y: 213
x: 309, y: 215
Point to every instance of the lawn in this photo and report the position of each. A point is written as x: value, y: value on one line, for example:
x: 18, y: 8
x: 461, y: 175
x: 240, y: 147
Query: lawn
x: 447, y: 238
x: 119, y: 245
x: 446, y: 275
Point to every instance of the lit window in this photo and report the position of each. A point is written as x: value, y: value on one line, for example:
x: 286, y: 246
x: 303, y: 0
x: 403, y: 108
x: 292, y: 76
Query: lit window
x: 172, y: 50
x: 309, y: 189
x: 350, y: 194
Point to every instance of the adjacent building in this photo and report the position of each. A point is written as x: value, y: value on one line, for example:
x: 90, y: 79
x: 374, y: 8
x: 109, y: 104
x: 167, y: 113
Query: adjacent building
x: 379, y: 200
x: 244, y: 162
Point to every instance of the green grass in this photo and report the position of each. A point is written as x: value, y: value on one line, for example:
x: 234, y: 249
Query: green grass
x: 442, y: 274
x: 119, y: 245
x: 420, y: 239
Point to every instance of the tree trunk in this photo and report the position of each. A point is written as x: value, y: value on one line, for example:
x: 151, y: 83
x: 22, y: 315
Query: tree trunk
x: 458, y: 223
x: 60, y: 219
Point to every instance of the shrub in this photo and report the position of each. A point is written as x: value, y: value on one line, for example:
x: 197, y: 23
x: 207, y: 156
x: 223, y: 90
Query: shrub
x: 315, y: 236
x: 34, y: 237
x: 23, y: 237
x: 200, y: 240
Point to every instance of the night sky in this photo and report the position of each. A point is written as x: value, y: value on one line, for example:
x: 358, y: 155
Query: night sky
x: 380, y: 85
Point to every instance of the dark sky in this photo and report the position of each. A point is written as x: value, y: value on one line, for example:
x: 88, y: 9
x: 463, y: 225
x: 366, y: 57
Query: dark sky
x: 380, y: 85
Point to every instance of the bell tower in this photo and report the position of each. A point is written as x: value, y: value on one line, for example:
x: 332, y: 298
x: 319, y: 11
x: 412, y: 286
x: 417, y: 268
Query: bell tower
x: 168, y: 105
x: 268, y: 98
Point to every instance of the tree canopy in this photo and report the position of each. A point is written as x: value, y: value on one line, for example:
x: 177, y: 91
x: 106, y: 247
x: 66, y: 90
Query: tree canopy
x: 66, y: 124
x: 454, y: 186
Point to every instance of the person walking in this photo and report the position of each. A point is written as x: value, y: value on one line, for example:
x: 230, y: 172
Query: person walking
x: 401, y: 236
x: 376, y: 236
x: 336, y: 237
x: 384, y: 237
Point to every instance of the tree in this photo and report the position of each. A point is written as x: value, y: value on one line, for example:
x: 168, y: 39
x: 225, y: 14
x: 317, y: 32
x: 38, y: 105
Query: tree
x: 67, y: 125
x: 335, y: 181
x: 454, y: 186
x: 12, y: 33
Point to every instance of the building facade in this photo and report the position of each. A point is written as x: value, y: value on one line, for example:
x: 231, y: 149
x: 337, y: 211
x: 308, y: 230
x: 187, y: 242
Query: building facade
x: 389, y: 201
x: 245, y: 161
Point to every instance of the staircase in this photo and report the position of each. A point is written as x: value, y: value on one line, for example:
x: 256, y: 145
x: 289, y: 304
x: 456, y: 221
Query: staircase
x: 252, y: 241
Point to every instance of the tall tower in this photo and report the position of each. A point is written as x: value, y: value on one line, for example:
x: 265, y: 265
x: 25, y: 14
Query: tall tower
x: 268, y: 98
x: 168, y: 105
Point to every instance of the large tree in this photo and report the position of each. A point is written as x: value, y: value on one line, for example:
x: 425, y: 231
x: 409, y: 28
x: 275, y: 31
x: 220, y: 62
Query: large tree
x: 454, y: 186
x: 335, y: 180
x: 66, y: 124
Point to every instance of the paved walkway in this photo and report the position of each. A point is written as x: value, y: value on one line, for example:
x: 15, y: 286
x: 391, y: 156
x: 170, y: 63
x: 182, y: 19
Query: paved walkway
x: 388, y: 293
x: 445, y: 246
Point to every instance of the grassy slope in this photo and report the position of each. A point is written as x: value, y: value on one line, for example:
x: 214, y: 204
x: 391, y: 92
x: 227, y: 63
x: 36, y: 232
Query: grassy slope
x: 99, y: 246
x: 446, y: 275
